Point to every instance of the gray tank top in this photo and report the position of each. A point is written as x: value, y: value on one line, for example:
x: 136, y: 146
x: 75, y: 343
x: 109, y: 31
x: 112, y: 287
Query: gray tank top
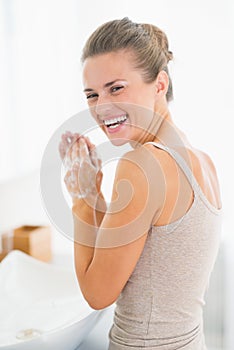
x: 161, y: 305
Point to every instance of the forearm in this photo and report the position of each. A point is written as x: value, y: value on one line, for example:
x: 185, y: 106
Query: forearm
x: 88, y: 215
x: 87, y: 219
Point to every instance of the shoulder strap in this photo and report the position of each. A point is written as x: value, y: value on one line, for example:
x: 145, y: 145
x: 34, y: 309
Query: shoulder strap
x: 183, y: 165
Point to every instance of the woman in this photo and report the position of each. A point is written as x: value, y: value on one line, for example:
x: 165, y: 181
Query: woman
x: 153, y: 249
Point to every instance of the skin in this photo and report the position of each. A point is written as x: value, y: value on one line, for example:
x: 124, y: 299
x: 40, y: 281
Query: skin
x: 129, y: 89
x: 103, y: 272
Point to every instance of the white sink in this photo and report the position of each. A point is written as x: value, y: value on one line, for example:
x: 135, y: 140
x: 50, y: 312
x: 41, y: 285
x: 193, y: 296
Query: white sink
x: 41, y: 306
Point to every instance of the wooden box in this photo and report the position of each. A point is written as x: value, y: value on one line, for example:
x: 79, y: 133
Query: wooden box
x: 6, y: 244
x: 33, y: 240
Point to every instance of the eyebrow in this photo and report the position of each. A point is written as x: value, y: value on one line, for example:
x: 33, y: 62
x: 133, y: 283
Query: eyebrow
x: 105, y: 85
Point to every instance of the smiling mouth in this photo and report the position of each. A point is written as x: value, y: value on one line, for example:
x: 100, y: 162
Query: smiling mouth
x: 115, y: 122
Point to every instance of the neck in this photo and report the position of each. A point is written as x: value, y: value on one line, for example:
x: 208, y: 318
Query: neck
x: 155, y: 131
x: 162, y: 130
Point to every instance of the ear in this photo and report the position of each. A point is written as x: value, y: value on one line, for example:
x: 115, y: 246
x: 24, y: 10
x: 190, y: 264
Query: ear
x: 162, y: 83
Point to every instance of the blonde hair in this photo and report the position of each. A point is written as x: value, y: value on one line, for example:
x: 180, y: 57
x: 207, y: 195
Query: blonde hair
x: 148, y: 43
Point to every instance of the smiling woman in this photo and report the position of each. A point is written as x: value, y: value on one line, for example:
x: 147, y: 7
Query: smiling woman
x: 153, y: 249
x: 114, y: 88
x: 129, y: 95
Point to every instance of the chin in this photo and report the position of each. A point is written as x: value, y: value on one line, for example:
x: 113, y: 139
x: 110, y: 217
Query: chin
x: 116, y: 140
x: 119, y: 142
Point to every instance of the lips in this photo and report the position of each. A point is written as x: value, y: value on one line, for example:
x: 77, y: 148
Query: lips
x: 115, y: 120
x: 115, y: 124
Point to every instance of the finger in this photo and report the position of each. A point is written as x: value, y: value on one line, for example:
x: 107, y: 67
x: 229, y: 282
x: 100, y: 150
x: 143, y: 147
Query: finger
x: 67, y: 178
x: 62, y: 150
x: 66, y: 140
x: 67, y: 161
x: 71, y: 178
x: 70, y: 137
x: 83, y: 149
x: 74, y: 136
x: 63, y: 145
x: 99, y: 163
x: 68, y: 132
x: 92, y: 152
x: 94, y: 158
x: 65, y: 154
x: 75, y: 152
x: 89, y: 143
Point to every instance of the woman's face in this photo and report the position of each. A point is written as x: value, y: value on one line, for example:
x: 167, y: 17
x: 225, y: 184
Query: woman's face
x: 118, y: 98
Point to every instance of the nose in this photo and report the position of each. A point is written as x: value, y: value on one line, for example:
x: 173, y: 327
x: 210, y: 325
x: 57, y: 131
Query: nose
x: 103, y: 106
x: 104, y: 109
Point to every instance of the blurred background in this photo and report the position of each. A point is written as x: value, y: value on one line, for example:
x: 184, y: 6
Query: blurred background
x: 41, y: 87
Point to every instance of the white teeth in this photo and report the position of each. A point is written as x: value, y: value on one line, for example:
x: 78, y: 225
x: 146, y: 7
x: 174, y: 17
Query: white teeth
x: 109, y: 122
x: 113, y: 126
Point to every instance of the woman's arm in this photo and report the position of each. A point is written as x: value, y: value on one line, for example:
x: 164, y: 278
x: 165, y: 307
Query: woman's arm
x: 84, y: 235
x: 138, y: 195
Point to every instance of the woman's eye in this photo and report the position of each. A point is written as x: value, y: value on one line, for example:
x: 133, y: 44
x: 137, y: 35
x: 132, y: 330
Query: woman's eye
x: 116, y: 88
x: 91, y: 96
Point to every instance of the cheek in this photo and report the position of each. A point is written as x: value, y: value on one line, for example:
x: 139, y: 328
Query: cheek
x: 102, y: 127
x: 94, y: 115
x: 145, y: 98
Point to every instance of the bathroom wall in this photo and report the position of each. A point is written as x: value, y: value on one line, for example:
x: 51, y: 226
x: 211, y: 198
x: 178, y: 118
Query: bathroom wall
x: 21, y: 204
x: 41, y: 87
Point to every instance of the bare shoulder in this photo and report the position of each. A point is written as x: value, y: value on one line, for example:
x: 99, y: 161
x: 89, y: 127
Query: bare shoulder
x: 143, y: 153
x: 206, y: 175
x: 144, y: 172
x: 145, y: 160
x: 207, y: 160
x: 162, y: 159
x: 201, y: 165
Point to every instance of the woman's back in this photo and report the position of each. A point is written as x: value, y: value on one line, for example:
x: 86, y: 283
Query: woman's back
x: 161, y: 305
x: 204, y: 172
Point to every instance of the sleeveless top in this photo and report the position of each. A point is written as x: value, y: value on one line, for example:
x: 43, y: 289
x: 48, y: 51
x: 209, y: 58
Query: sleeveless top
x: 161, y: 305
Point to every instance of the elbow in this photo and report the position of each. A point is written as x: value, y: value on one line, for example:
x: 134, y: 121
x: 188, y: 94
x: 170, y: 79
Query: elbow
x: 96, y: 295
x: 99, y: 304
x: 96, y: 306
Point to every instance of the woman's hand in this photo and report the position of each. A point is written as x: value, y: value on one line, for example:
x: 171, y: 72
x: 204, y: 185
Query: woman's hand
x: 84, y: 176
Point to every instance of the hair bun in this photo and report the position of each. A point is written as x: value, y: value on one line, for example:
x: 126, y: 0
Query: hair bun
x: 147, y: 43
x: 169, y: 55
x: 160, y: 37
